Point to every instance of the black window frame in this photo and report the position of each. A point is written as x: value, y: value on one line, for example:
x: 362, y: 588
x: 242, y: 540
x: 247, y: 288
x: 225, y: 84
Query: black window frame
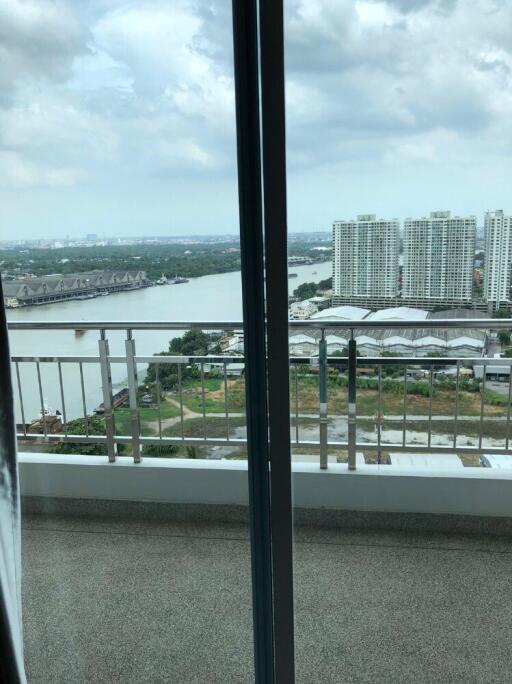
x: 258, y: 38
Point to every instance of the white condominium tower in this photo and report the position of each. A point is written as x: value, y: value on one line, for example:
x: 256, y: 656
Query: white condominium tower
x: 365, y: 258
x: 498, y: 258
x: 438, y: 258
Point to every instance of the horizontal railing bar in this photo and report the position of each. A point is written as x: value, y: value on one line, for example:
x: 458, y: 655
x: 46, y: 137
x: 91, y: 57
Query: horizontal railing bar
x: 335, y: 360
x: 461, y: 323
x: 128, y: 439
x: 124, y: 325
x: 57, y: 359
x: 480, y: 323
x: 200, y: 441
x: 433, y: 449
x: 429, y: 360
x: 91, y: 439
x: 190, y: 359
x: 299, y: 360
x: 313, y: 360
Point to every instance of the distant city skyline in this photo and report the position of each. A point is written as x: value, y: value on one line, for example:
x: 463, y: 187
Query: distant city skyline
x: 191, y: 238
x: 108, y: 125
x: 293, y: 235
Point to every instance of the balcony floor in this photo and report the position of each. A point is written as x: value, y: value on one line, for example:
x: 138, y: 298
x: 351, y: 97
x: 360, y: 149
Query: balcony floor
x: 114, y: 601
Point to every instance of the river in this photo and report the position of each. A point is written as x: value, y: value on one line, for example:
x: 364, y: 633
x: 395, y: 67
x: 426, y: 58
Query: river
x: 209, y: 298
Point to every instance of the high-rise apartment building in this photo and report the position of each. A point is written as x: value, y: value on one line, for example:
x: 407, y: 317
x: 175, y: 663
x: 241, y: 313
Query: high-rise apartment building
x: 365, y: 259
x: 498, y: 258
x: 438, y: 259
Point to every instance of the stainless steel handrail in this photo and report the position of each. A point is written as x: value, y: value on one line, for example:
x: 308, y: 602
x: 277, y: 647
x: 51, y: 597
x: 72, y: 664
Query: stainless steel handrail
x: 460, y: 323
x: 319, y: 367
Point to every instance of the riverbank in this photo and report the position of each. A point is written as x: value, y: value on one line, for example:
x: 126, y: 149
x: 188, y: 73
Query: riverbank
x: 209, y: 298
x: 190, y: 259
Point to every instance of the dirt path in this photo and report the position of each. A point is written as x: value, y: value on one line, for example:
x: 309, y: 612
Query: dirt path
x: 188, y: 414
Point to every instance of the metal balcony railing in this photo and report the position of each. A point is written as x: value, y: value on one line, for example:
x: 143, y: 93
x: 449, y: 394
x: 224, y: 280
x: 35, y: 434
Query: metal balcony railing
x: 324, y: 371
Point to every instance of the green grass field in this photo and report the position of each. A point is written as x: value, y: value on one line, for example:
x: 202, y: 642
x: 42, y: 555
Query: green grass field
x: 305, y: 389
x: 147, y: 415
x: 213, y: 427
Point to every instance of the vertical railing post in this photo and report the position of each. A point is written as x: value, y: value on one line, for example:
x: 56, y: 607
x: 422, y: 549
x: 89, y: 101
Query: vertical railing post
x: 322, y: 390
x: 106, y: 386
x: 132, y: 394
x: 352, y: 366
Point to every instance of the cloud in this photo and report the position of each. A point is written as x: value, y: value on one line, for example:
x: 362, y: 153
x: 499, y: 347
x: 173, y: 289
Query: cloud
x: 135, y: 88
x: 383, y: 71
x: 103, y: 95
x: 16, y: 173
x: 38, y: 40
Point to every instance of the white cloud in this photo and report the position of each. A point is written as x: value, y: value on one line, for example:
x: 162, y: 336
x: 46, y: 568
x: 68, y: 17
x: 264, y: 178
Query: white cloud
x: 146, y: 95
x: 16, y: 173
x: 38, y: 40
x: 383, y: 72
x: 104, y: 95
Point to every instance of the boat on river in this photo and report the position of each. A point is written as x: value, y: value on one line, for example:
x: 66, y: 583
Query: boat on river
x: 119, y: 399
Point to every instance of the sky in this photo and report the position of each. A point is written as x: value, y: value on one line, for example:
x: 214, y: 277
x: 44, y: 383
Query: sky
x: 117, y: 118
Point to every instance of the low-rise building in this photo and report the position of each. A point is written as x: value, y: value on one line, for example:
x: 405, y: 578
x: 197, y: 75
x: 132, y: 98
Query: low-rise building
x: 300, y: 311
x: 321, y: 301
x: 232, y: 343
x: 417, y: 342
x: 54, y: 288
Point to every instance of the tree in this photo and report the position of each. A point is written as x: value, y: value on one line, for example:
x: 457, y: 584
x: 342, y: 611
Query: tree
x: 501, y: 313
x: 391, y: 371
x: 343, y: 352
x: 192, y: 343
x: 504, y: 337
x: 305, y: 291
x: 325, y: 284
x: 95, y: 426
x: 308, y: 290
x: 160, y: 450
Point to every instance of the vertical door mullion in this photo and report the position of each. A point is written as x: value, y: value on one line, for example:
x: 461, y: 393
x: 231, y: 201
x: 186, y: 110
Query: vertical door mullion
x: 264, y: 253
x: 245, y: 38
x: 276, y: 269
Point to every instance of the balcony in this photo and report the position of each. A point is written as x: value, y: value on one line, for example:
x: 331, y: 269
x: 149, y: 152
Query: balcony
x: 145, y: 594
x: 402, y: 532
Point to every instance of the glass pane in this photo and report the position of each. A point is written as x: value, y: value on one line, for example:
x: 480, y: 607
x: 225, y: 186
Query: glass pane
x: 119, y: 204
x: 397, y: 217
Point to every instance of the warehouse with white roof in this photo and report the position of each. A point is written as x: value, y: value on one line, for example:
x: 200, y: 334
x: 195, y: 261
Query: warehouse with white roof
x: 341, y: 313
x: 417, y: 342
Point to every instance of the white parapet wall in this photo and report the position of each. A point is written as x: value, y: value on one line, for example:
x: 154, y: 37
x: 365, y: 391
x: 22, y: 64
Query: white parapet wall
x: 463, y: 491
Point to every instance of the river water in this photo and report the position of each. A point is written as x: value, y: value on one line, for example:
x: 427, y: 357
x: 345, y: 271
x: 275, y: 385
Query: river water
x: 209, y: 298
